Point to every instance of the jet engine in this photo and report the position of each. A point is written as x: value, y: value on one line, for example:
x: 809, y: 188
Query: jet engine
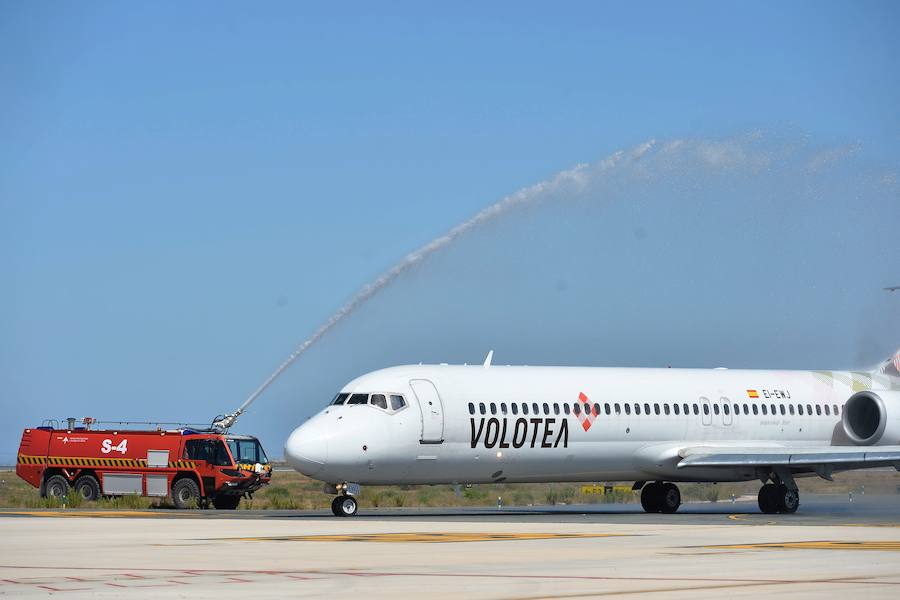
x: 872, y: 418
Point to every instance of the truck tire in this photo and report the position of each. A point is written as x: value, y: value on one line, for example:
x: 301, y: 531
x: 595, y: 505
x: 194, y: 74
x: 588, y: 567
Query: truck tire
x: 226, y: 502
x: 88, y: 488
x: 56, y: 486
x: 186, y: 493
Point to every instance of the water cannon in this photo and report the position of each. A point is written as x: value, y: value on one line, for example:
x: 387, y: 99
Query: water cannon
x: 223, y: 423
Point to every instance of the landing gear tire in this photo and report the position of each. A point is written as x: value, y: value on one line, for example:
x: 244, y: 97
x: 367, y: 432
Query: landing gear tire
x: 56, y: 486
x: 787, y: 500
x: 186, y: 493
x: 767, y: 498
x: 88, y: 488
x: 669, y: 498
x: 344, y: 506
x: 226, y: 502
x: 650, y: 497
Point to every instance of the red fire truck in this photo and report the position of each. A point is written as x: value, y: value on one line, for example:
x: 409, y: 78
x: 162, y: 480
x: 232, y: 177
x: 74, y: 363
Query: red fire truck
x: 195, y: 467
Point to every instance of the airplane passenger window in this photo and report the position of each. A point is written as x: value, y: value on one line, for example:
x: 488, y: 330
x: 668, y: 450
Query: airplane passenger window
x: 646, y: 408
x: 827, y: 411
x: 618, y: 409
x: 576, y: 408
x: 397, y: 402
x: 686, y: 409
x: 534, y: 408
x: 675, y: 408
x: 493, y: 408
x: 836, y: 413
x: 471, y: 408
x: 546, y: 409
x: 627, y: 408
x: 737, y: 409
x: 726, y: 409
x: 818, y: 410
x: 706, y: 409
x: 503, y: 408
x: 358, y: 399
x: 782, y: 408
x: 514, y: 407
x: 481, y: 408
x: 379, y: 400
x: 608, y: 408
x: 555, y: 408
x: 656, y: 408
x: 597, y: 409
x: 716, y: 408
x: 809, y: 409
x: 799, y: 410
x: 746, y: 410
x: 763, y: 409
x: 524, y: 408
x: 666, y: 408
x: 755, y: 410
x: 696, y: 412
x: 340, y: 399
x: 775, y: 410
x: 566, y: 407
x: 637, y: 408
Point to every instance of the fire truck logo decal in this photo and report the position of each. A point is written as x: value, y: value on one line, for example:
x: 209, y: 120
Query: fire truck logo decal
x: 587, y: 415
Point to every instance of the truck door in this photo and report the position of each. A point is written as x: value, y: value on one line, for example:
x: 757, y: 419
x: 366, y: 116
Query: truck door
x: 432, y: 411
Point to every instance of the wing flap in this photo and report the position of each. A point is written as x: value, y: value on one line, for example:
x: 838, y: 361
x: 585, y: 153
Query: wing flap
x: 724, y: 456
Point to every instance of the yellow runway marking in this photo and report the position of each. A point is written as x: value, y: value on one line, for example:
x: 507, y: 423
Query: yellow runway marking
x: 427, y: 538
x: 889, y: 546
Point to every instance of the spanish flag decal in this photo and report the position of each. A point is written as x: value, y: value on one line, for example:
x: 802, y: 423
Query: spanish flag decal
x: 752, y: 394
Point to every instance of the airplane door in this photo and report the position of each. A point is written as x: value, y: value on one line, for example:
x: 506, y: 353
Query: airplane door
x: 727, y: 417
x: 706, y: 410
x: 432, y: 411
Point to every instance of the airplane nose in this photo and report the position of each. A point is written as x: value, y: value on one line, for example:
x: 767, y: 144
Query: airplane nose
x: 306, y: 450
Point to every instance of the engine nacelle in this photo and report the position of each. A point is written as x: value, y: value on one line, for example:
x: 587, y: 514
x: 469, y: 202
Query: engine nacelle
x: 872, y: 418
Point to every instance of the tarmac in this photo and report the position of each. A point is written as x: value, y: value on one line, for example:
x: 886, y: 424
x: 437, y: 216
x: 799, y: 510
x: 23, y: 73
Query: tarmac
x: 831, y: 547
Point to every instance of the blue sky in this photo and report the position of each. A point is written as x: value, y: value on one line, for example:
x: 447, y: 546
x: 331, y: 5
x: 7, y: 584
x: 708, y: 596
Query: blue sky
x: 187, y: 190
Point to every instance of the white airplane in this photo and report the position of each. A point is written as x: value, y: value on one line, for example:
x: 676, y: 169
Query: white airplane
x: 442, y: 424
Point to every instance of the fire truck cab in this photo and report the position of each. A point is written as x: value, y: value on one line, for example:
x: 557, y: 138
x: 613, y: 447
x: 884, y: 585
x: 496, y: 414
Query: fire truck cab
x: 193, y: 467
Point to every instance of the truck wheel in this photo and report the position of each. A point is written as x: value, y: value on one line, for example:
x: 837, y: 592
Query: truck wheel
x: 226, y: 502
x: 56, y: 487
x: 87, y: 487
x: 186, y: 493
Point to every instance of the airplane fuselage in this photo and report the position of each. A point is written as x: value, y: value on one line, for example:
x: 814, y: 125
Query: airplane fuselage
x: 475, y: 424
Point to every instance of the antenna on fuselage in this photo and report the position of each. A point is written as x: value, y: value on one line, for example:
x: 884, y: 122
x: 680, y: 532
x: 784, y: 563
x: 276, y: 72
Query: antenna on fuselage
x: 488, y: 358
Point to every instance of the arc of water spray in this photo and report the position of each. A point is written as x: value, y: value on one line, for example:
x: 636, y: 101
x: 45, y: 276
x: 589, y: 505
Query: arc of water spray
x: 577, y: 176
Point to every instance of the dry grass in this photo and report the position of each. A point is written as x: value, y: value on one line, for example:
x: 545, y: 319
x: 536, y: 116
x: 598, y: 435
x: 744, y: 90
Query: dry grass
x: 292, y: 491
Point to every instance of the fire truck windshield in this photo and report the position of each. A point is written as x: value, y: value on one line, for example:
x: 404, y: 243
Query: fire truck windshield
x: 247, y: 451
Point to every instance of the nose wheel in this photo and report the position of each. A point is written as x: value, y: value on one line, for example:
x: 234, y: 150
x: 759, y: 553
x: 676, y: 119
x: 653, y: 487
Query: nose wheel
x: 344, y: 506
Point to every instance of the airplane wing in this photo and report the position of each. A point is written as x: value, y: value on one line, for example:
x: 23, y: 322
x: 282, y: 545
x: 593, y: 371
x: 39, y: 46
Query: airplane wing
x: 837, y: 457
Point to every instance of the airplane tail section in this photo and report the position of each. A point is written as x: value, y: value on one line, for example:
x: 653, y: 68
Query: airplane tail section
x: 891, y: 366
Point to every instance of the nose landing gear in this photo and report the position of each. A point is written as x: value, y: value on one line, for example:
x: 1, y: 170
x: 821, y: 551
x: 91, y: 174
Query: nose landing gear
x: 344, y: 506
x: 660, y: 497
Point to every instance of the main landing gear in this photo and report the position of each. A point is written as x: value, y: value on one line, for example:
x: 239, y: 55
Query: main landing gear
x: 780, y: 496
x: 344, y: 506
x: 660, y: 497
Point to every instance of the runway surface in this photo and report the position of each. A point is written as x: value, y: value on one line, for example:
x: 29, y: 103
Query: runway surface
x: 831, y: 548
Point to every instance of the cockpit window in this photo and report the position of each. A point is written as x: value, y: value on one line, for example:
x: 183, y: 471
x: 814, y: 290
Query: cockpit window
x: 397, y: 402
x: 340, y: 399
x: 358, y: 399
x: 378, y: 400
